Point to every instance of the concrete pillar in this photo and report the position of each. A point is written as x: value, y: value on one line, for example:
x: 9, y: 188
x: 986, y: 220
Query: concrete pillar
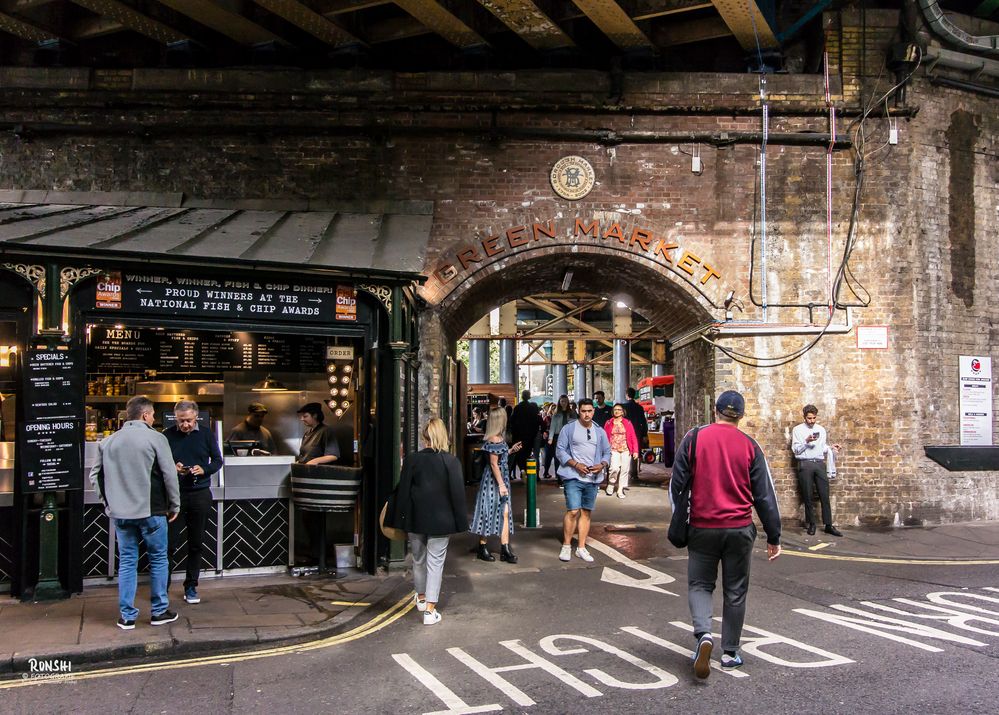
x: 478, y: 361
x: 561, y: 380
x: 508, y: 371
x: 478, y: 352
x: 658, y: 358
x: 622, y: 368
x: 579, y: 382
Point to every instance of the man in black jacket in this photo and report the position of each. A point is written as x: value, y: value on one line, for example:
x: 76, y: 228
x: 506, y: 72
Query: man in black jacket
x: 197, y: 455
x: 524, y: 425
x: 636, y: 415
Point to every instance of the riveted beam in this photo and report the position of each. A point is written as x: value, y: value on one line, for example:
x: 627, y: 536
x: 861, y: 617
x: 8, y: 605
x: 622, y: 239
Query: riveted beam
x: 651, y: 9
x: 682, y: 32
x: 25, y: 30
x: 131, y: 19
x: 745, y: 19
x: 527, y: 20
x: 309, y: 20
x: 223, y: 20
x: 614, y: 22
x: 443, y: 22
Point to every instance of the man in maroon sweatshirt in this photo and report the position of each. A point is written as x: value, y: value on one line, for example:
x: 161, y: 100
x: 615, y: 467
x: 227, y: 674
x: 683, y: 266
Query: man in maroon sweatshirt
x: 727, y: 477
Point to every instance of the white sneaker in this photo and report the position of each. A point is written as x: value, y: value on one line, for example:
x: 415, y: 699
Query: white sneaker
x: 610, y: 490
x: 566, y: 553
x: 584, y: 554
x: 620, y: 495
x: 421, y: 604
x: 431, y: 618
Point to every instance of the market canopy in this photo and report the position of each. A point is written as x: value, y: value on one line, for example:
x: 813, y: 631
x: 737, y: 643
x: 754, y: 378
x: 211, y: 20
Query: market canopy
x: 374, y: 238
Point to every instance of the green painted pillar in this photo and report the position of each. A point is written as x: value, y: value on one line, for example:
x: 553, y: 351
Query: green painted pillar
x: 399, y: 347
x: 48, y: 587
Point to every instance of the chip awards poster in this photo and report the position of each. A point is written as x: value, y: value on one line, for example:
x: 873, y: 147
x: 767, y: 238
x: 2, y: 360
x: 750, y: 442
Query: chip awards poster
x: 976, y: 400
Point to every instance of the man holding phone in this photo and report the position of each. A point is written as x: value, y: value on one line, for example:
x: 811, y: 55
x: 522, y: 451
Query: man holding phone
x: 583, y: 452
x: 808, y: 442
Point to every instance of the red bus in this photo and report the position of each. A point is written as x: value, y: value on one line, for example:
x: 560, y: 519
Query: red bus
x: 655, y: 394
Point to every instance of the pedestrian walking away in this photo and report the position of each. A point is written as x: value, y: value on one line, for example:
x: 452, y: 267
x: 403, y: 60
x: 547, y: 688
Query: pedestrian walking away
x: 808, y: 442
x: 624, y: 448
x: 430, y: 506
x: 525, y: 422
x: 725, y: 474
x: 492, y: 515
x: 197, y: 457
x: 636, y: 415
x: 583, y: 453
x: 135, y: 477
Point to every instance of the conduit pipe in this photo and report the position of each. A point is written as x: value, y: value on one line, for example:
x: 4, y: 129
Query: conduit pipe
x: 952, y: 33
x: 961, y: 61
x: 733, y: 329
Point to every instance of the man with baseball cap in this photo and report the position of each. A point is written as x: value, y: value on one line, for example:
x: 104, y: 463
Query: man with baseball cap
x: 727, y: 475
x: 252, y: 429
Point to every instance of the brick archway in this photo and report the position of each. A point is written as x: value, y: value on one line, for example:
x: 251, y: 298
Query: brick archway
x: 674, y: 306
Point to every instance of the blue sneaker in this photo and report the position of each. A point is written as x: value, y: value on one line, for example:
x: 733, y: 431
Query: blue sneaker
x: 191, y: 595
x: 702, y: 656
x: 731, y: 661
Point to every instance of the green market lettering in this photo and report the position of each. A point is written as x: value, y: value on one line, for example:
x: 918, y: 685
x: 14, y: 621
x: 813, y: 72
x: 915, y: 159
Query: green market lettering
x: 641, y: 241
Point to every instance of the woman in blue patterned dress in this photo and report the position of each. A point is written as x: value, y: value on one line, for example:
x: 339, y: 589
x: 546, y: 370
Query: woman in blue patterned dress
x: 492, y: 515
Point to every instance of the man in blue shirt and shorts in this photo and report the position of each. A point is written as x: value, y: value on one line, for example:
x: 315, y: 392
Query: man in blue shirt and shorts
x: 583, y: 453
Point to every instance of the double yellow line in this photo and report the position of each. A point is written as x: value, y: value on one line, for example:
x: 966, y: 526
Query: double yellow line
x: 383, y: 619
x: 877, y: 560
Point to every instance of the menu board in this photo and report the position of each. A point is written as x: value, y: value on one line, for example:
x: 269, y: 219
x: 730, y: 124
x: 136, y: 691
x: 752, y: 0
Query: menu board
x: 50, y: 456
x: 138, y: 349
x: 53, y: 382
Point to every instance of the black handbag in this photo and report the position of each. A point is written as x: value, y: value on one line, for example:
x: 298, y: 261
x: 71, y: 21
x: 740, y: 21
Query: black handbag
x: 679, y: 523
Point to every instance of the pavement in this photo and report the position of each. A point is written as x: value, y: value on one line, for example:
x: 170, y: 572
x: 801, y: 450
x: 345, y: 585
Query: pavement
x: 239, y: 613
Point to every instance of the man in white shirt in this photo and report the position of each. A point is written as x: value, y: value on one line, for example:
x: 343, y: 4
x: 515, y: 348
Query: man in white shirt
x: 808, y: 442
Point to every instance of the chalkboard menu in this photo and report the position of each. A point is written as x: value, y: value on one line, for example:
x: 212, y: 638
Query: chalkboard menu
x: 51, y: 437
x: 53, y: 382
x: 50, y: 456
x: 138, y: 349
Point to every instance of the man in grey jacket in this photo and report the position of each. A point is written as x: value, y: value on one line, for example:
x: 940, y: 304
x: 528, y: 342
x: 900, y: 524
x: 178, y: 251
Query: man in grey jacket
x: 136, y: 478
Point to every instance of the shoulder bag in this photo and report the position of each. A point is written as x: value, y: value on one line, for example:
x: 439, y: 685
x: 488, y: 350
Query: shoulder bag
x: 679, y: 523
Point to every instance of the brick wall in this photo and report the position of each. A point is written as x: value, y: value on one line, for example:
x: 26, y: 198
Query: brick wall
x: 926, y: 250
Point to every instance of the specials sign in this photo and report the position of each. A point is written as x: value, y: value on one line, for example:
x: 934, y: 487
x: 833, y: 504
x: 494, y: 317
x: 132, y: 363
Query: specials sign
x: 636, y: 240
x: 209, y: 297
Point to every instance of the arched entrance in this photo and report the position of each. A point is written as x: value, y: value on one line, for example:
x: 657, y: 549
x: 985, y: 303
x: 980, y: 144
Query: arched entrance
x: 672, y: 301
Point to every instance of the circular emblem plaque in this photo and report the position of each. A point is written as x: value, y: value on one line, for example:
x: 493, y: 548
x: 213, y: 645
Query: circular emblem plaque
x: 572, y: 177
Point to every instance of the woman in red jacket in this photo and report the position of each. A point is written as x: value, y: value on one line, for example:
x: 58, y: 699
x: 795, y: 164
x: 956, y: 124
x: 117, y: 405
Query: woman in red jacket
x: 624, y: 448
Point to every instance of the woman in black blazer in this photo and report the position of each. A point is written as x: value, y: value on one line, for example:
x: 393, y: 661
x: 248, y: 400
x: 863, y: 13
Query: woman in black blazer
x: 430, y: 505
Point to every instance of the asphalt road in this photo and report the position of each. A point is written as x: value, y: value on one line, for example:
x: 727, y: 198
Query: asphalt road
x: 611, y: 637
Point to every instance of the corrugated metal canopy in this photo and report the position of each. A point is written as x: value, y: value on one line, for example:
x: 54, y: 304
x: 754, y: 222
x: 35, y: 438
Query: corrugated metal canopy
x: 381, y: 239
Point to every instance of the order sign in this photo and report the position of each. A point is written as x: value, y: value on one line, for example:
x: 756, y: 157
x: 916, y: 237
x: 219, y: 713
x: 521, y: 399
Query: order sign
x: 976, y: 400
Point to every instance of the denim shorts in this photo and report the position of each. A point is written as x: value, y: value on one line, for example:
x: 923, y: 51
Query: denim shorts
x: 580, y: 495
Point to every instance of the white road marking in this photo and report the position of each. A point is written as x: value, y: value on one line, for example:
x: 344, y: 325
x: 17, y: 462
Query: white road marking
x: 820, y: 545
x: 663, y: 679
x: 493, y: 677
x: 755, y: 646
x: 942, y: 598
x: 686, y: 652
x: 456, y: 706
x: 950, y: 616
x: 656, y: 578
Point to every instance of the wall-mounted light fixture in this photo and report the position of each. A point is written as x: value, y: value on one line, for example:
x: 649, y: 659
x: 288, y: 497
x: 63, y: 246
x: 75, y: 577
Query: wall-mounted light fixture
x: 566, y: 280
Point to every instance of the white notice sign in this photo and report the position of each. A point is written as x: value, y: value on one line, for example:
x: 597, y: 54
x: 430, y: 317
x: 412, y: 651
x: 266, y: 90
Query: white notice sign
x: 872, y: 337
x: 976, y: 400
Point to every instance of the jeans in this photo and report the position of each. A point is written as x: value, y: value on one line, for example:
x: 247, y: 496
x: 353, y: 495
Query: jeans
x: 734, y: 548
x: 195, y: 506
x: 153, y: 532
x: 429, y: 553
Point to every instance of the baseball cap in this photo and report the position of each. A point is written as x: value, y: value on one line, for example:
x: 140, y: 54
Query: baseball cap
x: 313, y: 408
x: 731, y: 404
x: 257, y: 407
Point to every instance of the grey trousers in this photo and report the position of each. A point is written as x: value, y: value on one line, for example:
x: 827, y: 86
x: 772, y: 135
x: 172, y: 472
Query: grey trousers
x: 733, y: 547
x: 429, y: 553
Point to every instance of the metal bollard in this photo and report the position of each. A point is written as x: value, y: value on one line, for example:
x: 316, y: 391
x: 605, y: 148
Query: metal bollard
x: 531, y: 508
